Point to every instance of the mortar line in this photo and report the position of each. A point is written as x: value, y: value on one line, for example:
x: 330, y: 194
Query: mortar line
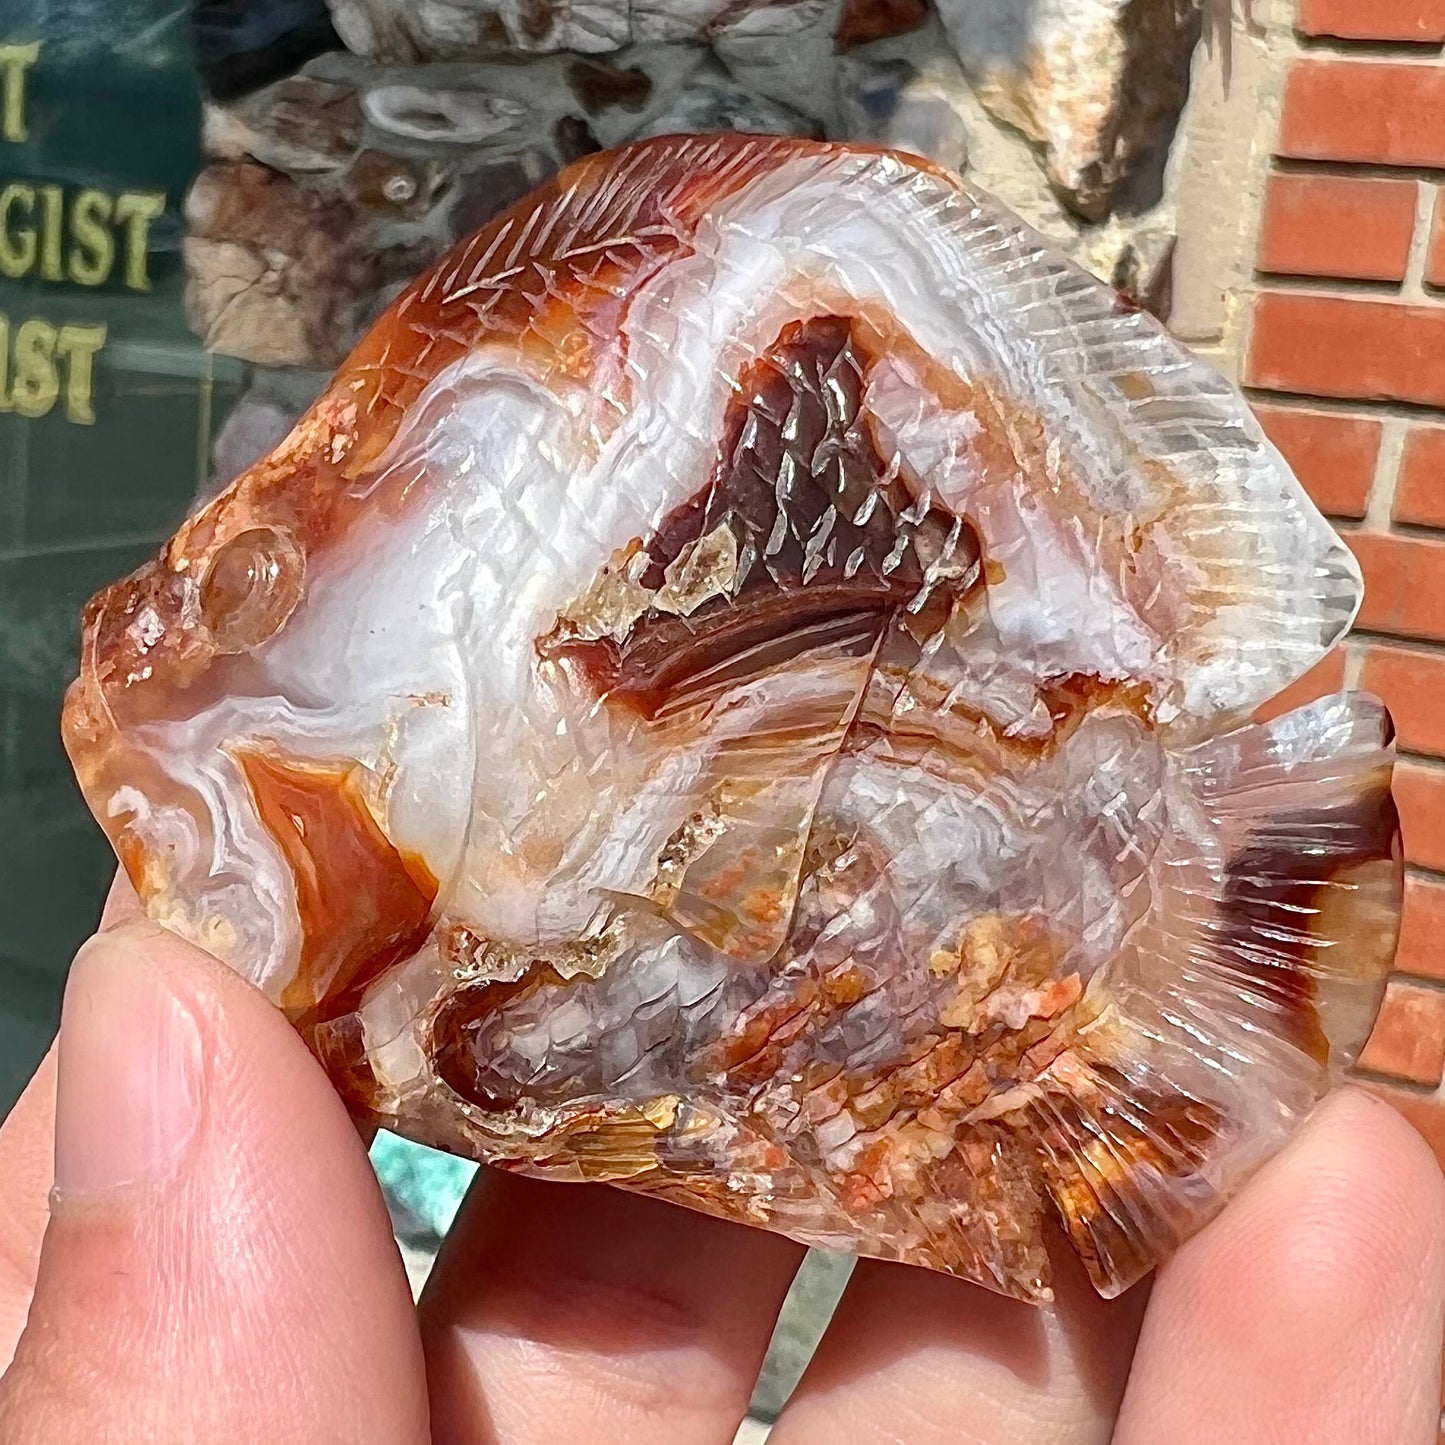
x: 1394, y: 431
x: 1352, y: 405
x: 1413, y: 286
x: 1342, y: 169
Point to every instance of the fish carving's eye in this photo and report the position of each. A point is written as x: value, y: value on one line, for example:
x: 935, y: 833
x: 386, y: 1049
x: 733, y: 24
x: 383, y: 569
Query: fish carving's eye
x: 251, y: 587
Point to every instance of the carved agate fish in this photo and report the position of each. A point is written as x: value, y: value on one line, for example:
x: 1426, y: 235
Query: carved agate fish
x: 742, y: 686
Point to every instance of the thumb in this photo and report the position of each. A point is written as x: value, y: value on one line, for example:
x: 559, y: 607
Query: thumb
x: 218, y: 1264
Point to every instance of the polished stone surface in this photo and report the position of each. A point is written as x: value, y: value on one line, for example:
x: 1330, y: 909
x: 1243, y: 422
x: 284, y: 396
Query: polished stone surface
x: 742, y: 686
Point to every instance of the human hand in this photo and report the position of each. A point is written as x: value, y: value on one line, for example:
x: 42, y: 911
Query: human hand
x: 217, y: 1266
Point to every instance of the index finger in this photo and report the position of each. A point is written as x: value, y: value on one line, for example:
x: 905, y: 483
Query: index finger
x: 1313, y: 1308
x: 917, y: 1356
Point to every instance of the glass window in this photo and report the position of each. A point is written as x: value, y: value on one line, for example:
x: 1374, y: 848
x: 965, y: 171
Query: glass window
x: 108, y: 406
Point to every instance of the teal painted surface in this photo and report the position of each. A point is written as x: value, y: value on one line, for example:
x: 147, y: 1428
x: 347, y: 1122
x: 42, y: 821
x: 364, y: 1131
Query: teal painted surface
x: 110, y: 104
x: 423, y: 1187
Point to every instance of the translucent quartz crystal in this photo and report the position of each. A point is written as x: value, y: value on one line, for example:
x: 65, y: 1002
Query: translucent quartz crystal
x: 742, y: 687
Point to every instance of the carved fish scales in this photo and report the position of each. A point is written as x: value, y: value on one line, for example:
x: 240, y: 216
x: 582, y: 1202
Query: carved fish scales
x: 742, y: 687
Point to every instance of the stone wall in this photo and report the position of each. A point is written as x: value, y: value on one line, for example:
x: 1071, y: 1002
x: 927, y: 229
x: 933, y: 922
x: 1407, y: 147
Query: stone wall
x: 348, y: 149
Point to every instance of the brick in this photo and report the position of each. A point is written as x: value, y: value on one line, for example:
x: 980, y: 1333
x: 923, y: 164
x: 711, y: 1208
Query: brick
x: 1420, y: 796
x: 1348, y: 347
x: 1334, y: 456
x: 1425, y: 1112
x: 1325, y: 677
x: 1412, y: 683
x: 1420, y: 490
x: 1408, y: 1040
x: 1422, y: 930
x: 1384, y: 112
x: 1404, y: 584
x: 1419, y: 20
x: 1337, y: 226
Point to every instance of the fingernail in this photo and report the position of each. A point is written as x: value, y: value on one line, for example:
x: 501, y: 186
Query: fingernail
x: 128, y: 1095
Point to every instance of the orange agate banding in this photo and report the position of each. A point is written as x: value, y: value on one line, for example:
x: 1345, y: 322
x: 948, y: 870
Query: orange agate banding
x: 363, y: 904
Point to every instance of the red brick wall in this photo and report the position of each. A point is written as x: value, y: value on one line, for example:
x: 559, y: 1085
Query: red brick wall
x: 1346, y: 362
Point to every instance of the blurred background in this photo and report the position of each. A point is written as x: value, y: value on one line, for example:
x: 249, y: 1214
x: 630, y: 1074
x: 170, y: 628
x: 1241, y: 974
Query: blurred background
x: 203, y: 204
